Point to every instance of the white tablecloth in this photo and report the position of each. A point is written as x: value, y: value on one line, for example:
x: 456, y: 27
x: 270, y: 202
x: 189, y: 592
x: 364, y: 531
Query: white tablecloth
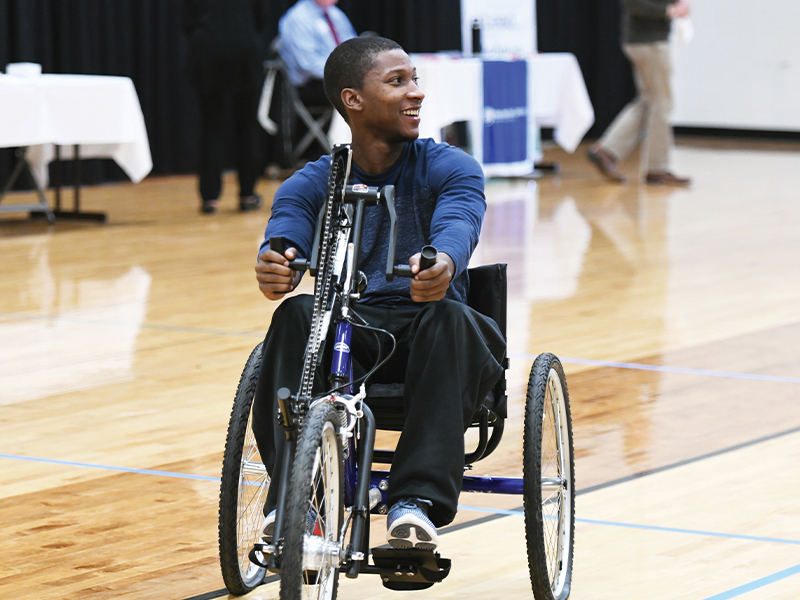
x: 559, y: 98
x: 100, y: 113
x: 453, y: 87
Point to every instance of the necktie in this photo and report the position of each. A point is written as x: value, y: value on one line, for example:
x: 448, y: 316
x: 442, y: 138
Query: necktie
x: 333, y: 29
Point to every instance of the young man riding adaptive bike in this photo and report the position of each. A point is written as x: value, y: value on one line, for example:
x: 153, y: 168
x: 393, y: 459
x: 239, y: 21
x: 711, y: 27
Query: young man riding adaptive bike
x: 448, y: 355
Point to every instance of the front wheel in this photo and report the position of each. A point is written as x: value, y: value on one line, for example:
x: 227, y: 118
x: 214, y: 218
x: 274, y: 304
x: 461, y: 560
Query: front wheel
x: 243, y: 489
x: 549, y: 480
x: 314, y: 510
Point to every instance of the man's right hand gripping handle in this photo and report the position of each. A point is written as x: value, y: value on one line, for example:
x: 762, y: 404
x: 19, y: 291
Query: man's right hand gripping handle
x: 277, y: 269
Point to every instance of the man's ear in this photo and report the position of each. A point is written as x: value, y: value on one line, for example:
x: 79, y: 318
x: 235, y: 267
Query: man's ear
x: 351, y: 99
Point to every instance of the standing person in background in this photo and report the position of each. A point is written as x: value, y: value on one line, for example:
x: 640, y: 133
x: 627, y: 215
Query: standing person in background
x: 646, y: 26
x: 225, y: 66
x: 309, y: 32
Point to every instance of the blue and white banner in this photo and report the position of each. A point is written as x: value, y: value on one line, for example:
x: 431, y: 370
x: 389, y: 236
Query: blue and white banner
x: 505, y: 112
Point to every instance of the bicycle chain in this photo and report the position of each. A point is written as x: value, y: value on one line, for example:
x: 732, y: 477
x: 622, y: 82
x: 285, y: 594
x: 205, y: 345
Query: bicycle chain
x: 321, y: 294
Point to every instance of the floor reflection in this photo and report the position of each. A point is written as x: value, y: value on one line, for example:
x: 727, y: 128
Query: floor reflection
x: 74, y: 334
x: 544, y: 252
x: 557, y: 245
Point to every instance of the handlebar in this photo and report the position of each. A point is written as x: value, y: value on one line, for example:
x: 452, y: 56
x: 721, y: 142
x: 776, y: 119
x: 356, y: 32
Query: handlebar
x: 427, y: 259
x: 361, y: 195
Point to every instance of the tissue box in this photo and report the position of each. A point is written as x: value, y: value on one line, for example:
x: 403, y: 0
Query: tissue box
x: 24, y: 69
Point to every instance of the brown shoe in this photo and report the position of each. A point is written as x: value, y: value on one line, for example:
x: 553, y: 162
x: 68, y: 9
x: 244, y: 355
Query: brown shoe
x: 667, y: 178
x: 607, y: 165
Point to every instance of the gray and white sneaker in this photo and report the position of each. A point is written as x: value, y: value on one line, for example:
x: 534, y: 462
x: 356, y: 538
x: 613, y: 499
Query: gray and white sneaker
x: 408, y: 526
x: 268, y: 528
x: 256, y: 555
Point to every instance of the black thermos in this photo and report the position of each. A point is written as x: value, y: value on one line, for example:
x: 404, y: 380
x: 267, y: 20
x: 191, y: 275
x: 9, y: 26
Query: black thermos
x: 476, y: 37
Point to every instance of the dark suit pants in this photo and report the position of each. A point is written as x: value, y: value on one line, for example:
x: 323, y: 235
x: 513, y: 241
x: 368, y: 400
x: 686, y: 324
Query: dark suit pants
x: 214, y: 112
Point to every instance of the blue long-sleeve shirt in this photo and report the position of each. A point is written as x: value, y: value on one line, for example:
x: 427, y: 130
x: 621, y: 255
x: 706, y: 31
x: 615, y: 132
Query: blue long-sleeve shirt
x: 439, y: 200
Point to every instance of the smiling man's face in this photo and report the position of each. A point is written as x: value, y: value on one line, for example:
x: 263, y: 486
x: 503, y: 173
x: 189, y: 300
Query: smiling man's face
x: 391, y: 96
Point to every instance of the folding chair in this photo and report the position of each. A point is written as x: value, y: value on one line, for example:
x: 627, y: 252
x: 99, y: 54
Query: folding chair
x: 290, y: 107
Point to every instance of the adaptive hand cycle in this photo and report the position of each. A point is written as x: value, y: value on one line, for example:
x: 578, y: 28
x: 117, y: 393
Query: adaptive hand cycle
x: 323, y: 507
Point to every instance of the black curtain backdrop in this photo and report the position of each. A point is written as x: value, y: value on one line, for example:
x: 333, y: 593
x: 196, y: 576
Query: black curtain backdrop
x: 590, y: 30
x: 143, y: 40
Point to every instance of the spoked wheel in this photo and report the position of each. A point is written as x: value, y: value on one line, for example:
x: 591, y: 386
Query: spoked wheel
x: 314, y: 510
x: 243, y: 491
x: 549, y: 480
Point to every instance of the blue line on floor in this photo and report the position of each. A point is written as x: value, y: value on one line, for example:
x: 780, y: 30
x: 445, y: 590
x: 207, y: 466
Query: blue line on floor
x: 665, y: 369
x: 758, y: 583
x: 497, y: 511
x: 129, y: 324
x: 751, y: 538
x: 110, y: 468
x: 564, y: 359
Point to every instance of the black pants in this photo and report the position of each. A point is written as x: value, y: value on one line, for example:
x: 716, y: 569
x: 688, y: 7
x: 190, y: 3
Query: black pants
x: 213, y: 109
x: 448, y: 356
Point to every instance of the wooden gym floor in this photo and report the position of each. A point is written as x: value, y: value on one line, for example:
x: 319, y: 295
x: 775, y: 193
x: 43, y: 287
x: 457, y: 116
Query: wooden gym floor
x: 676, y: 314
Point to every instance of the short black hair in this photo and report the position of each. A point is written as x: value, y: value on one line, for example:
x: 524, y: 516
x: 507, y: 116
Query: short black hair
x: 349, y: 63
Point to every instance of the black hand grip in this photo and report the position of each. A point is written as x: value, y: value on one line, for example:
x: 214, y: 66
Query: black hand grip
x: 427, y: 257
x: 278, y: 244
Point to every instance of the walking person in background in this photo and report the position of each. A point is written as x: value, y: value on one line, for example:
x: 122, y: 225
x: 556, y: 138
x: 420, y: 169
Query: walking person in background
x: 646, y: 26
x: 225, y: 67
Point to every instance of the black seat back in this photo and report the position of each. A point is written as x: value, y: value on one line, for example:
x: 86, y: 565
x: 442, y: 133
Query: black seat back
x: 487, y: 295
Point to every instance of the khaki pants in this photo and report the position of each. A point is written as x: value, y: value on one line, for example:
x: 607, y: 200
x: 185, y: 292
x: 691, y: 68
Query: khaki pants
x: 646, y: 118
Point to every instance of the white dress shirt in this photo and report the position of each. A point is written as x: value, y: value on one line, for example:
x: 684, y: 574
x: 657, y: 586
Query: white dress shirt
x: 307, y: 40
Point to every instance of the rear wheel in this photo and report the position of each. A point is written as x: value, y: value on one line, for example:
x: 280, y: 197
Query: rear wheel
x: 313, y: 519
x: 549, y: 480
x: 243, y: 490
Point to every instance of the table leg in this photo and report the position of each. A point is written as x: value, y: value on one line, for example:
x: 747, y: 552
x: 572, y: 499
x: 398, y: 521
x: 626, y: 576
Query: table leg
x: 553, y: 168
x: 76, y: 212
x: 42, y: 206
x: 59, y: 172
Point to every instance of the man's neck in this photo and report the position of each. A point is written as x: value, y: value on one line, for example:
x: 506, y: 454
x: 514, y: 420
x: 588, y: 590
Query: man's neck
x: 375, y: 156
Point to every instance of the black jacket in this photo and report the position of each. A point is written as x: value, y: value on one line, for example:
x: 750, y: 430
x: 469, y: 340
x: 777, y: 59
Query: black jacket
x: 225, y: 47
x: 645, y: 21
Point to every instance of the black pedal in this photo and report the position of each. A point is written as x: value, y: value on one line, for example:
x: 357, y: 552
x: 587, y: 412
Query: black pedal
x: 257, y: 555
x: 407, y: 570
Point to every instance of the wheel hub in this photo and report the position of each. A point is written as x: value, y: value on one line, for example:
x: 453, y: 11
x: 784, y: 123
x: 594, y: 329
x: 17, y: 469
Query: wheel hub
x: 320, y: 554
